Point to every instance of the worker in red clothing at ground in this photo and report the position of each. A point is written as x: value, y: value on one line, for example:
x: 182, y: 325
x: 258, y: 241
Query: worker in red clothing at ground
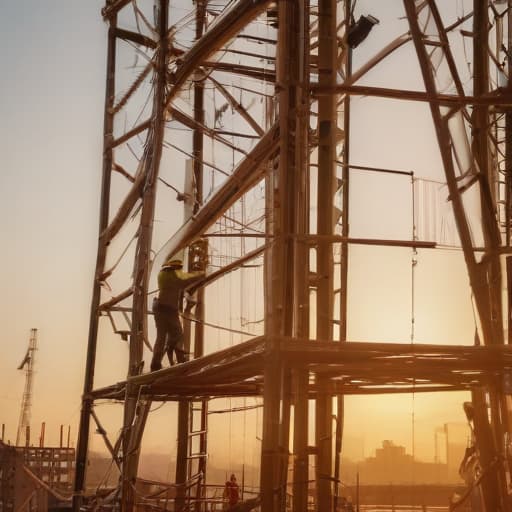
x: 231, y: 492
x: 172, y: 281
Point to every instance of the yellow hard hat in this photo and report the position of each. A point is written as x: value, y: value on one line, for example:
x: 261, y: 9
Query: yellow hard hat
x: 174, y: 263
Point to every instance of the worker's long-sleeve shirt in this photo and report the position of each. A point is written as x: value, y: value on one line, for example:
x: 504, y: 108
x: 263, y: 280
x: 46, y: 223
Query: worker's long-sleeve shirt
x: 171, y: 282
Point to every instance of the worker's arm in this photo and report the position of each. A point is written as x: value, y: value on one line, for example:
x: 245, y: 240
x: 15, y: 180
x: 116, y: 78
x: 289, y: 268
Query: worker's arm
x: 189, y: 278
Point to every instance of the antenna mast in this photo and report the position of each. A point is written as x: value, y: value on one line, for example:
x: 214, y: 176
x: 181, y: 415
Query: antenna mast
x: 26, y: 403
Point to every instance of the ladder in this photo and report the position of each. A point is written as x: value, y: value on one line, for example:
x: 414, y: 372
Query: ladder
x: 197, y: 454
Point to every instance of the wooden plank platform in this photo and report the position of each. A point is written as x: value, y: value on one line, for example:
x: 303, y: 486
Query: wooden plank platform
x: 350, y: 368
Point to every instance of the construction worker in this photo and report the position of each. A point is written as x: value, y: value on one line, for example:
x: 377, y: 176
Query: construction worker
x: 172, y: 281
x: 231, y: 492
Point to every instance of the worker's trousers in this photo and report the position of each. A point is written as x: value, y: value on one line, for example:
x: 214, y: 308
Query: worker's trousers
x: 169, y: 336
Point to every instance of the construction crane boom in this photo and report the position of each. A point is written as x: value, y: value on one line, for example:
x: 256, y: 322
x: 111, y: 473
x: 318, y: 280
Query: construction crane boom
x: 26, y: 403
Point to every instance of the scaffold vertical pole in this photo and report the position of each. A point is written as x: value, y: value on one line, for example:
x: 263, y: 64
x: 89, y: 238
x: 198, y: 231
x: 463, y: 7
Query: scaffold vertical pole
x: 508, y: 145
x: 327, y: 126
x: 281, y: 263
x: 346, y: 63
x: 108, y: 137
x: 135, y: 413
x: 481, y: 152
x: 482, y: 276
x: 302, y: 281
x: 185, y: 408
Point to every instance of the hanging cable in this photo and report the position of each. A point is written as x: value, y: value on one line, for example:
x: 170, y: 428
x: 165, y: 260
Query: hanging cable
x: 237, y: 409
x: 219, y: 327
x: 414, y: 262
x: 414, y: 258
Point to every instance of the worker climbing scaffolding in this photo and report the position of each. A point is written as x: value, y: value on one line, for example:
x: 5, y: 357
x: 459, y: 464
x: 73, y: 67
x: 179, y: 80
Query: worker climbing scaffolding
x: 172, y: 282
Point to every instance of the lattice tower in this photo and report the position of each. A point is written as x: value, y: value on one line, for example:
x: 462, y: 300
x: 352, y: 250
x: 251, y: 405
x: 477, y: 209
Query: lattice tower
x: 27, y: 364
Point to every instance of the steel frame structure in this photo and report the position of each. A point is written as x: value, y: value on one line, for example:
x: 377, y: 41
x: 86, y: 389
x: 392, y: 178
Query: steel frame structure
x: 26, y: 404
x: 299, y: 144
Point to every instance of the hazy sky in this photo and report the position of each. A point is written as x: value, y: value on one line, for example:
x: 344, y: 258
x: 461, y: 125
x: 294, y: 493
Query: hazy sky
x: 52, y: 85
x: 53, y: 77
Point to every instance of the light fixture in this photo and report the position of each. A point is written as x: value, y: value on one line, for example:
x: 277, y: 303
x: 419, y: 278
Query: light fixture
x: 359, y: 30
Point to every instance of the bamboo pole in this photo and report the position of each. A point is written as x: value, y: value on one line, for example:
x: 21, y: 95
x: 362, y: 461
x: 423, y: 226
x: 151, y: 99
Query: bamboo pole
x: 129, y: 134
x: 477, y: 274
x: 327, y: 126
x: 279, y: 266
x: 489, y: 447
x: 343, y: 290
x: 185, y: 414
x: 198, y: 150
x: 238, y: 107
x: 113, y: 8
x: 248, y: 172
x: 481, y: 153
x: 508, y: 153
x: 221, y: 32
x: 135, y: 414
x: 484, y: 99
x: 301, y: 253
x: 83, y: 433
x: 103, y: 434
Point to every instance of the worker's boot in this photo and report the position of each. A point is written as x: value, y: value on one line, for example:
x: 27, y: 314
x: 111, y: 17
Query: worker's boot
x: 155, y: 366
x: 181, y: 355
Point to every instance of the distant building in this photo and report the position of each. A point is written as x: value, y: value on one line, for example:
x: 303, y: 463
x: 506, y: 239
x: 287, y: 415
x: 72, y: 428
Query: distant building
x: 54, y: 466
x: 392, y: 465
x: 17, y: 490
x: 35, y: 478
x: 457, y: 436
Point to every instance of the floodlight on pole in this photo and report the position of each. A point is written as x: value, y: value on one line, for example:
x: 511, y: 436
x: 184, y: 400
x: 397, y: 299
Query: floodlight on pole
x: 359, y: 30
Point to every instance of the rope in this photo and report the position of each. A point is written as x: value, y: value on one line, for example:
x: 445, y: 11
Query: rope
x: 414, y: 260
x: 237, y: 409
x: 116, y: 263
x: 190, y: 155
x: 215, y: 326
x: 140, y: 14
x: 157, y: 407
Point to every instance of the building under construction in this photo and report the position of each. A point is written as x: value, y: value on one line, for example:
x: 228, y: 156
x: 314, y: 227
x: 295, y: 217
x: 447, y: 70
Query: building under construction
x: 288, y: 147
x: 35, y: 478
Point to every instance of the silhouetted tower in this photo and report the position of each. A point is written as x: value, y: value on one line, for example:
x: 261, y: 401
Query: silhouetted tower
x: 26, y: 403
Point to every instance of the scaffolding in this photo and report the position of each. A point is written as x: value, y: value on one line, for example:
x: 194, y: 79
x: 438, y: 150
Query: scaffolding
x: 250, y: 103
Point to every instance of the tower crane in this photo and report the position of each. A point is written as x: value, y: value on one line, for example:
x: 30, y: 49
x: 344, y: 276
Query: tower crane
x: 26, y: 404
